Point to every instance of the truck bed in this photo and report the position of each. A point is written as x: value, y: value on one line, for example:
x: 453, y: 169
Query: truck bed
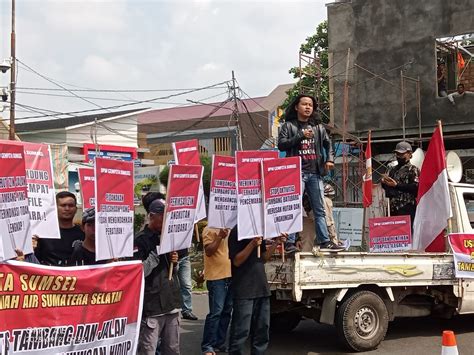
x: 350, y: 269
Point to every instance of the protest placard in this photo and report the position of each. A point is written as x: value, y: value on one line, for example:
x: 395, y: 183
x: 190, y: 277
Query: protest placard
x: 86, y: 182
x: 462, y: 245
x: 249, y: 191
x: 114, y: 208
x: 187, y: 153
x: 15, y: 229
x: 181, y: 204
x: 282, y: 197
x: 41, y: 192
x: 390, y: 234
x: 223, y: 194
x: 76, y: 310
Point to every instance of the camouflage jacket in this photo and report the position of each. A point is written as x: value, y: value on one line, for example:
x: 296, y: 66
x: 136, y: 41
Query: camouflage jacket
x: 406, y: 190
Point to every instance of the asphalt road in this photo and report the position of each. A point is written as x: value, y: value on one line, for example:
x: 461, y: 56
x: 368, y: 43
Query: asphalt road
x: 405, y: 336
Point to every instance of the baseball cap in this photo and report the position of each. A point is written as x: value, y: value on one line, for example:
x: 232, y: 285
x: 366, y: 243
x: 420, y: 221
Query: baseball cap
x: 157, y: 206
x: 403, y: 147
x: 88, y: 215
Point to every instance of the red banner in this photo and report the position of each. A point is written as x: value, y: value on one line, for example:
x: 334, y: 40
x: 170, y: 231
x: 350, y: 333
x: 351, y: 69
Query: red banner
x: 249, y: 193
x: 51, y: 310
x: 114, y: 210
x: 181, y: 204
x: 86, y: 182
x: 15, y: 228
x: 223, y: 196
x: 463, y: 253
x: 390, y: 234
x: 282, y: 197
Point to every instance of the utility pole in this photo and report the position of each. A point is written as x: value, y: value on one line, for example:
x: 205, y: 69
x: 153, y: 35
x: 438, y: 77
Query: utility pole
x: 12, y: 77
x: 235, y: 114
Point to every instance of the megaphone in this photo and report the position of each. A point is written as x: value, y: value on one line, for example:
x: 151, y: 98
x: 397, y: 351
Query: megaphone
x: 417, y: 158
x: 453, y: 166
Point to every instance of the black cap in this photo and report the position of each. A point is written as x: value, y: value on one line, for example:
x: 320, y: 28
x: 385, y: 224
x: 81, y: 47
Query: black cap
x: 403, y: 147
x: 157, y: 206
x: 88, y: 215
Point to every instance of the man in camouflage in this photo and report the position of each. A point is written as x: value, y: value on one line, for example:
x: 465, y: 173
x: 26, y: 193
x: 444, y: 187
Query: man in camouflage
x: 401, y: 183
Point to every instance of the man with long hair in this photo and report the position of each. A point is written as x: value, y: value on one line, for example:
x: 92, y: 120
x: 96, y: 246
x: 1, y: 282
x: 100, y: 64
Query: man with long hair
x: 303, y: 135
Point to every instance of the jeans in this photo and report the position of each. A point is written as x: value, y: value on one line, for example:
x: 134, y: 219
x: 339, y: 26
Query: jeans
x: 220, y: 311
x: 315, y: 189
x: 250, y: 317
x: 185, y: 282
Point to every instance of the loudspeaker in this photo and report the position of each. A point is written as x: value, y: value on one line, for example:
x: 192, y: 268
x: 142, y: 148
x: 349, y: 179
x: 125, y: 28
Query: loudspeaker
x: 453, y: 166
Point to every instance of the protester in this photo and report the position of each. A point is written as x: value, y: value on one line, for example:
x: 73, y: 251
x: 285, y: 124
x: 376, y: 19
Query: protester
x: 251, y: 293
x: 458, y: 94
x: 59, y: 251
x: 84, y: 251
x: 162, y: 300
x: 329, y: 194
x: 217, y: 272
x: 29, y: 258
x: 401, y: 183
x: 303, y: 135
x: 186, y: 285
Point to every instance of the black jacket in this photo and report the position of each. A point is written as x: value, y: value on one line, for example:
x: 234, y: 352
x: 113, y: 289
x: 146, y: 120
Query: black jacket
x: 290, y: 137
x: 161, y: 295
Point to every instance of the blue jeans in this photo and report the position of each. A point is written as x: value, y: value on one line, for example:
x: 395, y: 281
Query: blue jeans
x: 185, y: 282
x: 250, y: 317
x: 313, y: 183
x: 220, y: 311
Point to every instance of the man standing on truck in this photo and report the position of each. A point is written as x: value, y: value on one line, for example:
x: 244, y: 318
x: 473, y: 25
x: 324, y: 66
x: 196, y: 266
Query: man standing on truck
x: 401, y: 183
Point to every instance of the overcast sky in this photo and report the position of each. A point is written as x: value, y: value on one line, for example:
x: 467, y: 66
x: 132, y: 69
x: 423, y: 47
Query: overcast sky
x: 135, y: 44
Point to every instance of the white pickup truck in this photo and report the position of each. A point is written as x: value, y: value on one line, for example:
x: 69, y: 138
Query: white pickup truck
x: 361, y: 292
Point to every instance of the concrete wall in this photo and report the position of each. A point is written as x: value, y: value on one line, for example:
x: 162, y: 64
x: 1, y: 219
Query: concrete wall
x: 386, y: 36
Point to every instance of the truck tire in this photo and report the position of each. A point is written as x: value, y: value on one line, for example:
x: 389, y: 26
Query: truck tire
x: 362, y: 321
x: 284, y: 322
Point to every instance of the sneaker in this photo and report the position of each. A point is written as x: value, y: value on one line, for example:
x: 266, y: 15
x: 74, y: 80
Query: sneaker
x: 221, y: 349
x: 330, y: 246
x: 189, y: 316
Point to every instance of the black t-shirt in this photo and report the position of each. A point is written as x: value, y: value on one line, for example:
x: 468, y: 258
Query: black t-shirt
x: 58, y: 251
x: 82, y: 256
x: 307, y: 151
x: 249, y: 279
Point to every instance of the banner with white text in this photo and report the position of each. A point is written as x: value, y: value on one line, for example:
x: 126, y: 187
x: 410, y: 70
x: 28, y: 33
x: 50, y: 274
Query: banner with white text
x: 86, y: 182
x: 15, y: 228
x: 114, y: 208
x: 41, y: 192
x: 187, y: 153
x: 223, y: 194
x: 76, y: 310
x: 249, y: 191
x: 463, y: 253
x: 181, y: 203
x: 282, y: 197
x: 390, y: 234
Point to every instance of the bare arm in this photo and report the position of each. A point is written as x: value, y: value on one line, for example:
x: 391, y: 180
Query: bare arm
x: 212, y: 247
x: 243, y: 255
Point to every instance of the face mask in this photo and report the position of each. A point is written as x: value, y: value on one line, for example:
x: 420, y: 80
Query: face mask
x: 401, y: 161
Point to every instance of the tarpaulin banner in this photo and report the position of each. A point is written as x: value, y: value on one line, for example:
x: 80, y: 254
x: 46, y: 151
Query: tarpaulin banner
x: 223, y: 195
x: 282, y: 197
x: 463, y: 253
x: 114, y: 209
x: 15, y: 228
x: 181, y: 203
x: 41, y: 192
x: 86, y: 182
x: 249, y: 191
x: 187, y: 153
x: 75, y: 310
x: 390, y: 234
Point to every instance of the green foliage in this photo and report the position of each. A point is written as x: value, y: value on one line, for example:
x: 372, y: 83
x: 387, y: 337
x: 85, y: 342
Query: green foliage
x: 206, y: 179
x: 138, y: 220
x: 319, y: 44
x: 147, y: 183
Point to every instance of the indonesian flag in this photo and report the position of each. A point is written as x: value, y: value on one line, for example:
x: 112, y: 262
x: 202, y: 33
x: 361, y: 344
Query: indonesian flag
x: 434, y: 207
x: 367, y: 187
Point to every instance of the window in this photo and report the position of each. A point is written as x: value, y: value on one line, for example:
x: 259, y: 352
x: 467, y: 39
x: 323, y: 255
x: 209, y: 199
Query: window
x: 469, y: 201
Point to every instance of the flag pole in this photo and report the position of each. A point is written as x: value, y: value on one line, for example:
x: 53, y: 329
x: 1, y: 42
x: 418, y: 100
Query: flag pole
x: 450, y: 225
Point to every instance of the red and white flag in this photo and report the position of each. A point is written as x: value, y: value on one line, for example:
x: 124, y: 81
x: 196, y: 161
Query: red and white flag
x: 434, y: 207
x: 367, y: 186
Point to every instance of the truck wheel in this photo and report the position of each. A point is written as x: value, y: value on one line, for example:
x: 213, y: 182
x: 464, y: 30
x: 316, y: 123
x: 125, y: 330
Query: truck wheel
x: 362, y: 321
x: 284, y: 322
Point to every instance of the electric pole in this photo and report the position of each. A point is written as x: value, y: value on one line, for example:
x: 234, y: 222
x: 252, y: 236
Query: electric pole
x: 235, y: 114
x: 12, y: 77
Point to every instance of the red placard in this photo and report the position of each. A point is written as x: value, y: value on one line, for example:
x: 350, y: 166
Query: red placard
x: 463, y: 253
x: 187, y: 152
x: 86, y: 181
x: 390, y: 234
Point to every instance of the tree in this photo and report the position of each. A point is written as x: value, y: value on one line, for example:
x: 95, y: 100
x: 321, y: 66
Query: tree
x: 317, y: 43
